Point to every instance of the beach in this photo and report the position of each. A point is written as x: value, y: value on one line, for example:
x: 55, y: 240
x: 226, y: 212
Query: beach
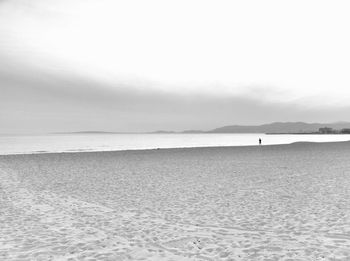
x: 278, y: 202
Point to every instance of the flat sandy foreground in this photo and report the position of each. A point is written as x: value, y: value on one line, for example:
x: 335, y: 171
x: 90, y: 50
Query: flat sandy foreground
x: 287, y: 202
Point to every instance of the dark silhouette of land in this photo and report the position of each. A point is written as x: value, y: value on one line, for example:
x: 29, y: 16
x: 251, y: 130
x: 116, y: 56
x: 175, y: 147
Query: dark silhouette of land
x: 271, y: 128
x: 283, y: 127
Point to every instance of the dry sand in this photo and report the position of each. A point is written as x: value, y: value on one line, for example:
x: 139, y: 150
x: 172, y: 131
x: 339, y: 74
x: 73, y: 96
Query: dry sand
x: 288, y: 202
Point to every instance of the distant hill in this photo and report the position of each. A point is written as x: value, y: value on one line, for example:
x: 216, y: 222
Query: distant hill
x: 162, y: 132
x: 281, y: 127
x: 193, y: 131
x: 178, y: 132
x: 89, y: 132
x: 271, y: 128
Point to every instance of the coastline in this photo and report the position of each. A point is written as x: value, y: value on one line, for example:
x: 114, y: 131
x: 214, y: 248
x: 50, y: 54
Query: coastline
x: 176, y: 148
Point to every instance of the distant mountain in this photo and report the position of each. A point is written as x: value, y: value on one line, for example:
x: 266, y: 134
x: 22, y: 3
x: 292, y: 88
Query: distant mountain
x: 179, y: 132
x: 281, y: 127
x: 275, y: 127
x: 193, y: 131
x: 89, y: 132
x: 162, y: 132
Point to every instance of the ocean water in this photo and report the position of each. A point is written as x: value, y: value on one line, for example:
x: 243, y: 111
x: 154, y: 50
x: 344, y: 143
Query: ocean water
x: 107, y: 142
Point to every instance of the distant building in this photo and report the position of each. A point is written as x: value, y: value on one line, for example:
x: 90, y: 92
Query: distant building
x: 345, y: 131
x: 325, y: 130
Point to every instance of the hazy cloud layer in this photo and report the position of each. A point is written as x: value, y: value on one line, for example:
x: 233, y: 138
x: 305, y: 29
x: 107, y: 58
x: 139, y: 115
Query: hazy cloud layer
x: 36, y: 101
x: 140, y: 66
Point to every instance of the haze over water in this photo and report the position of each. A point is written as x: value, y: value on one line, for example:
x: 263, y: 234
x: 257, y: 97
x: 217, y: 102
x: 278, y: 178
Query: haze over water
x: 109, y: 142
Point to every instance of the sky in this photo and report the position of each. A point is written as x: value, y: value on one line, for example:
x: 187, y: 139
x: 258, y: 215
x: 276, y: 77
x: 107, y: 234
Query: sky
x: 72, y: 65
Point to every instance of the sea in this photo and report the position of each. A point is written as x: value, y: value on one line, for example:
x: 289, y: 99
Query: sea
x: 49, y: 143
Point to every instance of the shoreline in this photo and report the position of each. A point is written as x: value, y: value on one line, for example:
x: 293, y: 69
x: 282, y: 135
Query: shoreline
x: 174, y: 148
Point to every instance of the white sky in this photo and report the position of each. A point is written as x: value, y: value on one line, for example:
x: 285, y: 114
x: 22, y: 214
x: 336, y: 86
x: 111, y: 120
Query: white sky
x: 282, y: 50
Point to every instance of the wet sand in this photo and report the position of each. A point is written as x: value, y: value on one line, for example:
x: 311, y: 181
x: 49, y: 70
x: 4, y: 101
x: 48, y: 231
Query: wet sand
x: 287, y: 202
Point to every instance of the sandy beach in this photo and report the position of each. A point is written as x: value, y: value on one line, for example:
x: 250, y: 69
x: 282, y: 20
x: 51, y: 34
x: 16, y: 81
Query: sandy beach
x: 283, y: 202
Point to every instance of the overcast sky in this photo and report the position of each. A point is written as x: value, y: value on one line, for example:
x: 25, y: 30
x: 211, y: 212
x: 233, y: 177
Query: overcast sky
x: 70, y: 65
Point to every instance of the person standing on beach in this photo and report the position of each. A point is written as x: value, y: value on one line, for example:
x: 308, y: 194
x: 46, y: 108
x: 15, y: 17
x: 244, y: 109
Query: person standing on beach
x: 259, y: 141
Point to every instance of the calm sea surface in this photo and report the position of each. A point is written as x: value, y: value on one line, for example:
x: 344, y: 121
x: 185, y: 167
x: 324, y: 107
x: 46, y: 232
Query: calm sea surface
x: 107, y: 142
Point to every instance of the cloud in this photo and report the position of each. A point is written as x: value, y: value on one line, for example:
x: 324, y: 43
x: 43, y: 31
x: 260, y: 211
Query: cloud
x: 233, y: 48
x: 138, y: 66
x: 43, y: 101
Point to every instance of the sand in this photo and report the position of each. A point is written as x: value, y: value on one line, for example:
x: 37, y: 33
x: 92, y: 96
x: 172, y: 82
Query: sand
x: 287, y: 202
